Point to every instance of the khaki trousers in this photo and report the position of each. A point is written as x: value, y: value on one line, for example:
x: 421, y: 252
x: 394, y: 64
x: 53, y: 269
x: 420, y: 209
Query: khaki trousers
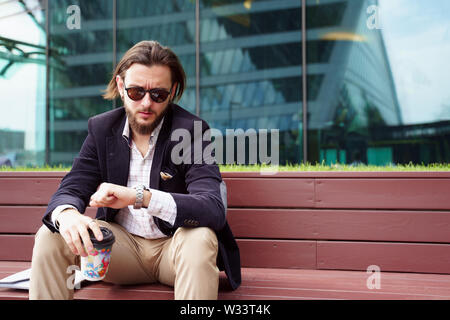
x: 186, y: 261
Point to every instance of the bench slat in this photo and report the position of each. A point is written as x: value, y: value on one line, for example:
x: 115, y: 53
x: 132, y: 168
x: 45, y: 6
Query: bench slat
x: 20, y: 219
x: 30, y: 191
x: 397, y: 257
x: 339, y: 255
x: 373, y: 225
x: 263, y: 283
x: 281, y: 192
x: 254, y: 253
x: 270, y: 192
x: 415, y: 194
x: 277, y: 253
x: 16, y: 247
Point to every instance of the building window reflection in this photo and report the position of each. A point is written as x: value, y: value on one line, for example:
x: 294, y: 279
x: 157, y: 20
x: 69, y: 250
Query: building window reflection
x: 376, y: 73
x: 358, y: 114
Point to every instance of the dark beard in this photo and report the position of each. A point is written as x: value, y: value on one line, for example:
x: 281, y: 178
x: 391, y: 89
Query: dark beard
x: 144, y: 129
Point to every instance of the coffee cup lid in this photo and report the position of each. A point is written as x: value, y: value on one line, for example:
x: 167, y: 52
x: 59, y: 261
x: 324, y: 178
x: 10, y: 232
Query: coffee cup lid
x: 108, y: 238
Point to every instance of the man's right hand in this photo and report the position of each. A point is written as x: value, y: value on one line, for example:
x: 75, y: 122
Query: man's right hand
x: 73, y: 227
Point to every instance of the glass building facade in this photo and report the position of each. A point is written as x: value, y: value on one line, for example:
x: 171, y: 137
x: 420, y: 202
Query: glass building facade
x: 348, y: 81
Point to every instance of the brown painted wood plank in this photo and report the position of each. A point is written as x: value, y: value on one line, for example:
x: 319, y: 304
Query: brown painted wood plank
x: 30, y: 191
x: 272, y: 223
x: 14, y: 266
x: 269, y: 283
x: 373, y: 225
x: 339, y: 174
x: 10, y: 294
x: 268, y: 192
x: 428, y: 194
x: 261, y: 283
x: 397, y: 257
x: 249, y: 190
x: 254, y: 253
x: 24, y: 219
x: 108, y: 291
x: 314, y: 287
x: 279, y: 174
x: 277, y: 253
x: 383, y: 225
x: 32, y: 174
x: 20, y: 219
x: 16, y: 247
x: 394, y: 283
x: 265, y: 293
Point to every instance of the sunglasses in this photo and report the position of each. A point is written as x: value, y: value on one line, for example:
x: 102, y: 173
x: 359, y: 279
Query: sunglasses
x: 157, y: 94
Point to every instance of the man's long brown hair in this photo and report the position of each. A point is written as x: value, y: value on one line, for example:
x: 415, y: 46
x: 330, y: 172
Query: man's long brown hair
x: 148, y: 53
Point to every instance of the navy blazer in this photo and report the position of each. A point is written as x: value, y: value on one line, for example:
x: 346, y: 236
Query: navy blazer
x: 105, y: 157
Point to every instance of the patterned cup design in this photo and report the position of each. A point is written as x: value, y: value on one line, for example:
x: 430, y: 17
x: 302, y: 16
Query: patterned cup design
x: 95, y: 266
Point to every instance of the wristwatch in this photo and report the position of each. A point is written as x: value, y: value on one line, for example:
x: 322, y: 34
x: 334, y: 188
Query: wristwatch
x: 139, y: 196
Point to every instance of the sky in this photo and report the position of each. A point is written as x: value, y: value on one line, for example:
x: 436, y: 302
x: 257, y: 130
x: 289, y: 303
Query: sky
x: 417, y: 38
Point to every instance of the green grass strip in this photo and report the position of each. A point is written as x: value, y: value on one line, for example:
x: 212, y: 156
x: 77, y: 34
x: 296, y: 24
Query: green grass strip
x: 290, y: 167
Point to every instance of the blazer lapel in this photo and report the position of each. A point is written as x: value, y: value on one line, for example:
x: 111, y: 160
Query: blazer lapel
x: 118, y: 156
x: 160, y: 149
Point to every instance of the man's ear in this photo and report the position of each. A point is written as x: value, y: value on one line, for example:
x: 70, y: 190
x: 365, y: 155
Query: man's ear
x: 120, y: 85
x: 173, y: 91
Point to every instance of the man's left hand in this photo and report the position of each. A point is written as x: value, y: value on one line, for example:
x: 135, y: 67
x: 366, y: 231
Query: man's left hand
x: 113, y: 196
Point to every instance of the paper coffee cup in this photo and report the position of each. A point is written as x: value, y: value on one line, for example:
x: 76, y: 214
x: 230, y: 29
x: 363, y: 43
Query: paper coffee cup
x: 95, y: 266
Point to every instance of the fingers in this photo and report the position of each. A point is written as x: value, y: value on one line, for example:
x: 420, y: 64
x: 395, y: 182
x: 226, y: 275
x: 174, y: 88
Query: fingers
x: 103, y: 197
x: 68, y: 239
x: 73, y: 241
x: 74, y: 230
x: 113, y: 196
x: 75, y: 234
x: 96, y: 230
x: 101, y: 202
x: 86, y: 243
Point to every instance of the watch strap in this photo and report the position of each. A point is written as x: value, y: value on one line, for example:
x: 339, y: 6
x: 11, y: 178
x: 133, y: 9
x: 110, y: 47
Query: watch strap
x: 139, y: 196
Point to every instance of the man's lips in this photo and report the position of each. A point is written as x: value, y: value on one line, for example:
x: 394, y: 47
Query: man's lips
x: 146, y: 114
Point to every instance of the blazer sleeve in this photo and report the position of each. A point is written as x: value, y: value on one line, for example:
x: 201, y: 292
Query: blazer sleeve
x: 80, y: 183
x: 202, y: 206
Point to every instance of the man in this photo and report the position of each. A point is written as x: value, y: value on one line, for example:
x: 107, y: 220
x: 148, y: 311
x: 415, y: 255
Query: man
x: 168, y: 217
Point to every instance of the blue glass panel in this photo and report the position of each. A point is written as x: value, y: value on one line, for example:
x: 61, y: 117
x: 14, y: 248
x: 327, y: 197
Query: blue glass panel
x: 81, y: 62
x: 251, y: 57
x: 379, y: 91
x: 171, y: 23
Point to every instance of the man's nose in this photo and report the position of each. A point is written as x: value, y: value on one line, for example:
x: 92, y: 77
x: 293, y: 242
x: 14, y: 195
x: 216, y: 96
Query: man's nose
x: 146, y: 101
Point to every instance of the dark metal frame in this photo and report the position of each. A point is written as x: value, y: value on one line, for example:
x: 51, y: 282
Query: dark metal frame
x: 304, y: 86
x: 114, y: 53
x: 47, y: 82
x: 197, y: 57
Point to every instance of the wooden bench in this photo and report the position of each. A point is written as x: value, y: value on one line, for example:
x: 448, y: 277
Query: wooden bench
x: 302, y: 235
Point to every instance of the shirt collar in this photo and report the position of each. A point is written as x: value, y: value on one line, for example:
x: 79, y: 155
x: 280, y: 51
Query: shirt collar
x: 153, y: 135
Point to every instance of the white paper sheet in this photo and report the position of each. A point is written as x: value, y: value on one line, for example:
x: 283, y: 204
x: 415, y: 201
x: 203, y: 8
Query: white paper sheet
x: 21, y: 280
